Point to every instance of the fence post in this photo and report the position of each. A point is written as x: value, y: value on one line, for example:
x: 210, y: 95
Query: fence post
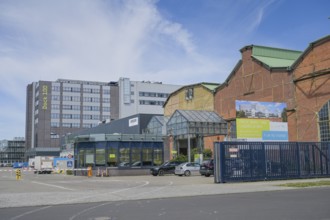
x: 265, y: 161
x: 216, y: 162
x: 222, y: 163
x: 298, y: 159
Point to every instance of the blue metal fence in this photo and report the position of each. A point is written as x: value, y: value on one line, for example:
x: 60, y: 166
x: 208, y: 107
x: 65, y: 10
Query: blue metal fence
x: 253, y: 161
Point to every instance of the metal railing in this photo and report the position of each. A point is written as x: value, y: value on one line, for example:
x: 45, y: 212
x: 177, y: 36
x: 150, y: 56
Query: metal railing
x: 253, y: 161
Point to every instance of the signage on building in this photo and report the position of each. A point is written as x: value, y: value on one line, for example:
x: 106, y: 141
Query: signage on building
x: 133, y: 122
x: 261, y: 121
x: 44, y: 97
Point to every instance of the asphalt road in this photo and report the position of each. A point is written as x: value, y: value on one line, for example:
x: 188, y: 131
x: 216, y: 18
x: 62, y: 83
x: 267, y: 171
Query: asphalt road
x: 305, y: 204
x: 59, y: 196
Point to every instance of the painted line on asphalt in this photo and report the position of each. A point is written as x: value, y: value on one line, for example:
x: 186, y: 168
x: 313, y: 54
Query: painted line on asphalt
x: 30, y: 212
x: 152, y: 191
x: 46, y: 184
x: 117, y: 191
x: 107, y: 203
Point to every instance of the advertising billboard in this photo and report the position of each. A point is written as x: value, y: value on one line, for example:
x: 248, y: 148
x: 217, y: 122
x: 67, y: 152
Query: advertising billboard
x: 261, y: 121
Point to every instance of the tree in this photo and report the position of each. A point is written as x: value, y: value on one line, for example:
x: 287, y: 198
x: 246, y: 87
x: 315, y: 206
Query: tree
x: 207, y: 153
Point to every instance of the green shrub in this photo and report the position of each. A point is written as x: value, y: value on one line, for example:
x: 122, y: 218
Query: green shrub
x: 180, y: 158
x: 69, y: 172
x: 207, y: 153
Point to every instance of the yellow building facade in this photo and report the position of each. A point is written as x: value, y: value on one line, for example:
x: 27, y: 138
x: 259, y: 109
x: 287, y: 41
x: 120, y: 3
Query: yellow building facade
x: 191, y: 97
x: 197, y: 97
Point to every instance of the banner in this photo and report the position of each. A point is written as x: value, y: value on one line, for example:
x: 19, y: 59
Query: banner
x: 261, y: 121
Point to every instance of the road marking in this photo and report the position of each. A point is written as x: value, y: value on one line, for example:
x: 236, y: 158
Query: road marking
x: 30, y: 212
x: 107, y: 203
x: 46, y: 184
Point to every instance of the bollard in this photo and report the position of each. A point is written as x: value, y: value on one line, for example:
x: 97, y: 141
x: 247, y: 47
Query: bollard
x: 18, y: 174
x: 89, y: 171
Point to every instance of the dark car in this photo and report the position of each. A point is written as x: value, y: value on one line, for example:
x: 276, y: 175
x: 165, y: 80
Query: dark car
x: 165, y: 168
x: 207, y: 168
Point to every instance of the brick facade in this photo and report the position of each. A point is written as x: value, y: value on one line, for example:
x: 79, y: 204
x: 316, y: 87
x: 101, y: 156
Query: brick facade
x: 252, y: 81
x: 311, y: 74
x: 305, y: 88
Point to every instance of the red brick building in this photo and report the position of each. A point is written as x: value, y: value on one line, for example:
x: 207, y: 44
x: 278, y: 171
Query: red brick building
x: 299, y: 79
x: 309, y: 118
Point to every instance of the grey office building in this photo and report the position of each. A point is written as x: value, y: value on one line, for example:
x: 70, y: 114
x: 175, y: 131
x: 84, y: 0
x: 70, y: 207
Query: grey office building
x: 55, y: 109
x: 61, y: 107
x: 12, y: 151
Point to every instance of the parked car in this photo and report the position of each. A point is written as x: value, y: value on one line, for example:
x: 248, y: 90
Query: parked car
x: 166, y: 168
x: 187, y: 169
x: 207, y: 168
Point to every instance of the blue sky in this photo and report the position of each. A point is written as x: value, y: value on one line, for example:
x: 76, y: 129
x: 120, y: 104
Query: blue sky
x: 174, y: 41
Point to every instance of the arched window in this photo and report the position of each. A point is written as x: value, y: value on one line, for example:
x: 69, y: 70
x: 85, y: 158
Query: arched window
x: 324, y: 122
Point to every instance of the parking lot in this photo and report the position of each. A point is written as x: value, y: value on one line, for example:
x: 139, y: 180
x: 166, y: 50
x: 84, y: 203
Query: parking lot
x: 52, y: 189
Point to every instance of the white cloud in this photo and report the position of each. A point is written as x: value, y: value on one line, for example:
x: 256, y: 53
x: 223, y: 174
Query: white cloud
x: 93, y: 40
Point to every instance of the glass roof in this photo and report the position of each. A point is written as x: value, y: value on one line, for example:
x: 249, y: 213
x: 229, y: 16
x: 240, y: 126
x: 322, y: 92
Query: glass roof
x: 201, y: 116
x: 184, y: 122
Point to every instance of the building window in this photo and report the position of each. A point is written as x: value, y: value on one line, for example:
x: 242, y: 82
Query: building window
x: 100, y: 154
x: 55, y: 98
x: 324, y: 122
x: 95, y: 108
x: 87, y: 125
x: 54, y: 136
x: 189, y: 93
x: 105, y: 117
x: 75, y: 89
x: 66, y: 89
x: 55, y: 107
x: 55, y: 124
x: 124, y: 155
x: 106, y: 100
x: 76, y: 116
x: 112, y: 155
x: 76, y: 98
x: 106, y: 91
x: 95, y: 117
x: 55, y: 88
x: 151, y: 102
x: 96, y: 91
x: 66, y: 107
x: 66, y: 125
x: 106, y: 109
x: 75, y: 125
x: 66, y: 116
x: 55, y: 116
x: 67, y: 98
x: 87, y: 117
x: 75, y: 107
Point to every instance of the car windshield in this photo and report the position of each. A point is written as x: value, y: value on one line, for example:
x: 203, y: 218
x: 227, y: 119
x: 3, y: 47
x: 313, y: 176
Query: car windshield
x: 166, y: 163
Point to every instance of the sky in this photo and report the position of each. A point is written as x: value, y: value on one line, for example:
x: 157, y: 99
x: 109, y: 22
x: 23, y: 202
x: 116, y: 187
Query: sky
x: 177, y: 42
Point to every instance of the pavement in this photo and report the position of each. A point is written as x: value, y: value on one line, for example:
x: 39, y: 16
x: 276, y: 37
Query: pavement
x: 56, y: 189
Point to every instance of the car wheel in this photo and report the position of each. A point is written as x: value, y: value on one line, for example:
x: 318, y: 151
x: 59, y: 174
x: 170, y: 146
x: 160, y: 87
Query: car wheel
x: 161, y: 172
x: 187, y: 173
x: 207, y: 175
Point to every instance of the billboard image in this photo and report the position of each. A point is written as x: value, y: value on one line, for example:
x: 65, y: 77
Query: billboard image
x: 261, y: 121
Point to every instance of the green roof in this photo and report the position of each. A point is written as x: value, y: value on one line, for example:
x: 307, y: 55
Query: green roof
x: 210, y: 86
x: 275, y: 57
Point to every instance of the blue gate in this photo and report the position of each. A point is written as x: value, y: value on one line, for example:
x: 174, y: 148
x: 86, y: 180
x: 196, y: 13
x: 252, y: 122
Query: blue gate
x: 253, y: 161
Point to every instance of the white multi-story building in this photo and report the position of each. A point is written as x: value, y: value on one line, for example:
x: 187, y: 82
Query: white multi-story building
x: 138, y: 97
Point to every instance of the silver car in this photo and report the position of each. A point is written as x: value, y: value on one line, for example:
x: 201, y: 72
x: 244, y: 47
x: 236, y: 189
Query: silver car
x: 187, y: 169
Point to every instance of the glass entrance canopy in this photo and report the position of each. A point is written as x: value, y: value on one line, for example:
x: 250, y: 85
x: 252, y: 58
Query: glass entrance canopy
x: 202, y: 123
